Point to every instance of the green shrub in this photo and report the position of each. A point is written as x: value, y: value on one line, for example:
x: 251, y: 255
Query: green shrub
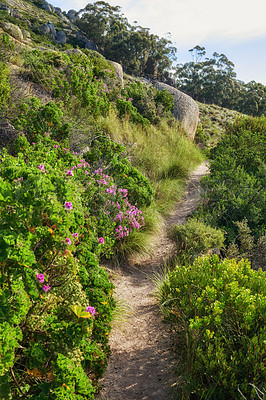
x: 58, y: 216
x: 194, y: 238
x: 35, y: 118
x: 111, y: 157
x: 165, y: 98
x: 125, y: 107
x: 149, y: 102
x: 4, y: 86
x: 235, y: 187
x: 217, y: 313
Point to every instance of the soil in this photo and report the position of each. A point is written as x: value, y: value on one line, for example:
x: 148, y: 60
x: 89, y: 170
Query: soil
x: 141, y: 362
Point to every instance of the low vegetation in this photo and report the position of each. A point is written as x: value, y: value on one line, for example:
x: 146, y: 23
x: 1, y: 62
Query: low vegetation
x: 87, y: 175
x: 85, y: 178
x: 216, y: 310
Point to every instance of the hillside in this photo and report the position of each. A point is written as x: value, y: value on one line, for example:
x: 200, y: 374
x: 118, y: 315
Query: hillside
x: 93, y: 161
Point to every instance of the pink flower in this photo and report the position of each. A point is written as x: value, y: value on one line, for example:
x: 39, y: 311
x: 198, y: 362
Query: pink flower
x: 101, y: 240
x: 91, y: 310
x: 41, y: 166
x: 40, y: 278
x: 75, y: 235
x: 68, y: 205
x: 70, y: 173
x: 46, y: 288
x: 68, y: 241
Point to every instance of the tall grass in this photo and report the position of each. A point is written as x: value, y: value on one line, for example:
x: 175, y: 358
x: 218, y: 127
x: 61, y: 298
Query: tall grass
x: 163, y: 154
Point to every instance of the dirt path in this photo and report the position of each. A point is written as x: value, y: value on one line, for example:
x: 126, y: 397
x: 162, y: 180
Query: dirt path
x: 140, y: 364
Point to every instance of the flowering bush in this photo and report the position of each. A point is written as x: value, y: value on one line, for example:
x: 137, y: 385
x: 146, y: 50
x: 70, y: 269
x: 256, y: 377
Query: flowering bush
x: 56, y: 301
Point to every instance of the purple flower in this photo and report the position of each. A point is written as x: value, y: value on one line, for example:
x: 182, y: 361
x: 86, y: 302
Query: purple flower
x: 55, y: 146
x: 68, y: 241
x: 46, y: 288
x: 41, y: 166
x: 91, y: 310
x: 75, y: 235
x: 33, y: 143
x: 101, y: 240
x: 40, y: 278
x: 70, y: 173
x: 68, y: 205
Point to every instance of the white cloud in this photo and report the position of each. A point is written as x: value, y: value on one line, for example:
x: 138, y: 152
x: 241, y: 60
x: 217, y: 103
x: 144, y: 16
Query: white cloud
x: 192, y: 21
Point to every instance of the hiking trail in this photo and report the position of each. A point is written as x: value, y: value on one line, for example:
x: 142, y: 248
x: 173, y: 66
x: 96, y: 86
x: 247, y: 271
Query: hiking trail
x: 141, y: 357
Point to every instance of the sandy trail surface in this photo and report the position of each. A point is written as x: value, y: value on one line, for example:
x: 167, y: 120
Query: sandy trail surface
x: 141, y: 358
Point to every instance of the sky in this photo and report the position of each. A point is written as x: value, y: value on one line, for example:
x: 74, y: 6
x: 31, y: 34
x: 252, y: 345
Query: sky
x: 236, y: 28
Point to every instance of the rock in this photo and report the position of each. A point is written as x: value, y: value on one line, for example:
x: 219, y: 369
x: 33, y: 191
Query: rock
x: 61, y: 37
x: 26, y: 34
x: 171, y: 82
x: 15, y: 13
x: 5, y: 7
x: 52, y: 28
x: 7, y: 133
x: 73, y: 51
x: 118, y: 71
x: 47, y: 7
x: 80, y: 36
x: 72, y: 15
x: 58, y: 11
x: 185, y: 109
x: 44, y: 29
x: 90, y: 45
x: 13, y: 30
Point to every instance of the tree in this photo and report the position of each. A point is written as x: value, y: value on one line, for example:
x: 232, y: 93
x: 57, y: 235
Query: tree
x: 132, y: 46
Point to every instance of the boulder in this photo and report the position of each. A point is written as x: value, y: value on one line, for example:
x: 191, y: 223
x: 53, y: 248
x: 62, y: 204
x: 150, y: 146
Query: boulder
x: 118, y: 71
x: 47, y: 7
x: 72, y: 16
x: 90, y: 45
x: 73, y: 51
x: 61, y: 37
x: 185, y: 109
x: 52, y: 28
x: 81, y: 37
x: 44, y: 28
x: 13, y: 30
x: 15, y: 13
x: 7, y: 133
x: 26, y: 34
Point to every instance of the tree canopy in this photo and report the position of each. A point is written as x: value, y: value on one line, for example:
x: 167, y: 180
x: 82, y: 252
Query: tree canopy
x: 213, y: 80
x: 133, y: 46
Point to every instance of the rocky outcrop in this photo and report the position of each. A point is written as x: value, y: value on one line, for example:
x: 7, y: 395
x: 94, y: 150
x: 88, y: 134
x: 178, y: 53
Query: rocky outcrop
x: 61, y: 37
x: 7, y: 133
x: 118, y: 71
x: 185, y: 109
x: 12, y: 30
x: 90, y: 45
x: 73, y: 51
x: 72, y: 15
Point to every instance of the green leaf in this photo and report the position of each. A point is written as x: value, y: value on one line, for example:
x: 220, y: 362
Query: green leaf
x: 80, y: 312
